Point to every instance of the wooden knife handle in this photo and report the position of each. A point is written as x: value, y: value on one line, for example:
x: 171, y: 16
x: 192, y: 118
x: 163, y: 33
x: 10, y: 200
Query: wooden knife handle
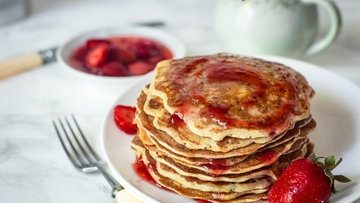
x: 18, y: 64
x: 124, y: 196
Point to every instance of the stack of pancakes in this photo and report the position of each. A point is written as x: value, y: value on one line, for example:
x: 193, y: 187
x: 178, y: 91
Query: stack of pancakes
x: 222, y: 127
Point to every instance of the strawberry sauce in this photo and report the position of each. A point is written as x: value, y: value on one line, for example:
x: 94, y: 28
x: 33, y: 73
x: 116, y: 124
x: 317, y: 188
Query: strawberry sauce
x: 215, y: 170
x: 268, y: 157
x: 201, y: 201
x: 143, y: 172
x: 119, y: 56
x: 176, y: 122
x: 216, y: 167
x: 203, y: 72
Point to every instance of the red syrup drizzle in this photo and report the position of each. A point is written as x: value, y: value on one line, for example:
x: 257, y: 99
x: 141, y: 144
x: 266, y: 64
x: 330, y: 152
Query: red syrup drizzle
x: 225, y: 72
x: 268, y: 157
x: 176, y: 122
x: 201, y: 201
x: 216, y: 167
x: 215, y: 170
x: 143, y: 173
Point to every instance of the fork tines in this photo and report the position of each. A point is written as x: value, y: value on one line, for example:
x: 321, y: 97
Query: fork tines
x: 80, y: 153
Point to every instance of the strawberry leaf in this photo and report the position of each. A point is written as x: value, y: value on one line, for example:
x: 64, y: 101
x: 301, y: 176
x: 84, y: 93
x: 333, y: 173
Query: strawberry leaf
x: 329, y: 175
x: 313, y: 156
x: 335, y: 165
x: 330, y: 161
x: 335, y: 191
x: 342, y: 179
x: 321, y: 165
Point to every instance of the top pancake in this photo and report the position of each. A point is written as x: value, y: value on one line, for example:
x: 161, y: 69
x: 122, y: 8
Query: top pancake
x: 230, y: 95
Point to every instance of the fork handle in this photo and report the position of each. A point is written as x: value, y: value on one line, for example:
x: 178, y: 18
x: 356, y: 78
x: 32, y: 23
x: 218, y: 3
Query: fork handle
x: 119, y: 193
x: 110, y: 180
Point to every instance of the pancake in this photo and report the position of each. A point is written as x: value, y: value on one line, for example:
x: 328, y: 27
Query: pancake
x: 189, y: 192
x: 223, y: 161
x: 222, y: 127
x: 215, y: 186
x: 246, y: 97
x: 179, y: 188
x: 165, y: 142
x: 252, y: 162
x: 272, y: 171
x: 154, y: 108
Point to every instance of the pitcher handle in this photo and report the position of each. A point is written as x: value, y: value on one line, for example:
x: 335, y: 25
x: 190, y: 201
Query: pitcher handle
x: 335, y: 26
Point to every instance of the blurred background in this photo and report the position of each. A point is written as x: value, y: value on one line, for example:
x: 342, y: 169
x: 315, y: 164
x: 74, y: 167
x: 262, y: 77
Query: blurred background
x: 40, y: 24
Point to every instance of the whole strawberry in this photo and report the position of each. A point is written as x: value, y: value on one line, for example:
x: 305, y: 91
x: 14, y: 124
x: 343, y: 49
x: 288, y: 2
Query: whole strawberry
x: 306, y: 180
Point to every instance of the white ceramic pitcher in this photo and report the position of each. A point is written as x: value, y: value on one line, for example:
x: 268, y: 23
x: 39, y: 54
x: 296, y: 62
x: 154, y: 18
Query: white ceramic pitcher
x: 274, y: 27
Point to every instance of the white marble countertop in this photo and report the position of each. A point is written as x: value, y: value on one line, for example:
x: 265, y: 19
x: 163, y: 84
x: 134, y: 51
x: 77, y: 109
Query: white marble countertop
x: 33, y: 165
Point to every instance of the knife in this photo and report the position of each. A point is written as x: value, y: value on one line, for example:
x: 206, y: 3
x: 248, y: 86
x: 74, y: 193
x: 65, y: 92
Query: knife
x: 29, y: 61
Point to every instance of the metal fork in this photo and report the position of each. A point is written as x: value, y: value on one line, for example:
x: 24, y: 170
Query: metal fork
x: 81, y: 155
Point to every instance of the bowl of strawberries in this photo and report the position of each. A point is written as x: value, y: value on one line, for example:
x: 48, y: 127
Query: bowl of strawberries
x: 120, y: 54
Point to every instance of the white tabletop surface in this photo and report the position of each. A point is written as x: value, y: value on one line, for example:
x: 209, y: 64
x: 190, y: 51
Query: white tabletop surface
x: 33, y: 165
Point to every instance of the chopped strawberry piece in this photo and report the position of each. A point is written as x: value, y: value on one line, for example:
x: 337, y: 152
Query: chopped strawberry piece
x: 140, y: 68
x: 81, y: 52
x: 166, y: 53
x: 155, y: 59
x: 94, y: 42
x: 112, y: 69
x: 97, y: 56
x: 119, y: 42
x: 122, y: 55
x: 152, y: 48
x: 124, y: 117
x: 140, y: 49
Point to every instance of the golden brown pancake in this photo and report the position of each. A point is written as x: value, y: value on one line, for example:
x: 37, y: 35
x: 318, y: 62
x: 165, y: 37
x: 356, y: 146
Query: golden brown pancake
x: 168, y: 145
x: 180, y: 188
x: 230, y: 95
x: 189, y: 192
x: 252, y: 162
x: 222, y: 127
x: 160, y: 118
x: 273, y: 171
x: 224, y: 161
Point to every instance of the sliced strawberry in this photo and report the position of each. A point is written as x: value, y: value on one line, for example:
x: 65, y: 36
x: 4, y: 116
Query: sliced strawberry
x: 152, y: 48
x: 140, y: 49
x: 155, y: 59
x: 122, y: 55
x: 166, y: 53
x: 119, y: 42
x: 81, y: 52
x: 112, y: 69
x: 97, y: 56
x: 124, y: 117
x: 140, y: 68
x: 95, y: 42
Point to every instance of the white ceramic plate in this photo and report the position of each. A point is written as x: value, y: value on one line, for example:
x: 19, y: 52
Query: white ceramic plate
x: 335, y: 107
x: 171, y: 42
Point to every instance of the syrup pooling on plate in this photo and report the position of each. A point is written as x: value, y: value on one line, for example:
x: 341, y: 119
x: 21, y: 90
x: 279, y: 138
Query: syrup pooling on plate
x: 262, y: 100
x: 143, y: 172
